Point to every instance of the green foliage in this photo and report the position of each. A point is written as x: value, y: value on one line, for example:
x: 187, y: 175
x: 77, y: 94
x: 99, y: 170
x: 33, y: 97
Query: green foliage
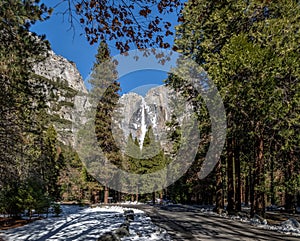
x: 250, y: 49
x: 151, y: 158
x: 56, y: 209
x: 104, y: 97
x: 31, y: 196
x: 23, y: 106
x: 52, y: 160
x: 105, y: 90
x: 75, y: 183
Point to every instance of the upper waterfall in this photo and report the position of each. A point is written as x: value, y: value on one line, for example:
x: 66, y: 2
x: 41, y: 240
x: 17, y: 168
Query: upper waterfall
x: 143, y: 123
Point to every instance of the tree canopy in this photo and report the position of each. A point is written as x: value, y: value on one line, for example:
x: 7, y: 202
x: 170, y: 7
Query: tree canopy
x: 250, y: 50
x: 129, y: 24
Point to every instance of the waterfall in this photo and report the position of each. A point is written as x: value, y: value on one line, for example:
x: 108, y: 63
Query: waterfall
x: 143, y: 123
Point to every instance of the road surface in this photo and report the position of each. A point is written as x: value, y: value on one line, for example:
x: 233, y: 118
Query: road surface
x: 188, y: 223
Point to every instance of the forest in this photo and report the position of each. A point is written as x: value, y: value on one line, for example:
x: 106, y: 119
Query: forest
x: 249, y: 49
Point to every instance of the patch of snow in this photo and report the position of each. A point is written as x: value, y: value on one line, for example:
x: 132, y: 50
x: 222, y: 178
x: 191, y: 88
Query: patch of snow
x: 78, y: 223
x: 290, y: 226
x: 130, y: 202
x: 142, y: 229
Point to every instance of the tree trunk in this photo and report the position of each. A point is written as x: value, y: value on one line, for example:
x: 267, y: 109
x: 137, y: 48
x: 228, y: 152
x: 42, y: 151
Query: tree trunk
x: 272, y: 186
x: 237, y: 167
x: 153, y: 198
x: 290, y: 192
x: 251, y: 186
x: 106, y: 194
x: 219, y: 188
x: 119, y: 196
x: 247, y: 188
x: 230, y: 179
x: 289, y: 202
x: 258, y: 205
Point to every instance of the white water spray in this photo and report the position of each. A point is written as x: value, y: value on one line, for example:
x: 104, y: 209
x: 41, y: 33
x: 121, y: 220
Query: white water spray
x: 143, y: 123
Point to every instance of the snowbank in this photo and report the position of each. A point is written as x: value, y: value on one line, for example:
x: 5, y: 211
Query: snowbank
x: 290, y: 226
x: 78, y: 223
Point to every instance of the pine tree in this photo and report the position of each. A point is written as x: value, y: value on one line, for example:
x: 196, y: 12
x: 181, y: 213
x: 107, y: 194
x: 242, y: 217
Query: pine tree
x: 22, y: 99
x: 105, y: 90
x: 250, y: 50
x: 152, y: 160
x: 132, y: 159
x: 51, y: 162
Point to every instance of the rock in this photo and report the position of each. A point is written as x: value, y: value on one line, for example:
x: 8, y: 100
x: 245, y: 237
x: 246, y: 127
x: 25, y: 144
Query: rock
x: 291, y: 223
x: 65, y: 85
x: 243, y: 214
x: 55, y: 66
x: 125, y: 225
x: 158, y: 108
x: 129, y: 215
x: 117, y: 234
x: 218, y: 210
x: 121, y: 232
x: 295, y: 223
x: 259, y: 220
x: 109, y: 236
x: 128, y: 212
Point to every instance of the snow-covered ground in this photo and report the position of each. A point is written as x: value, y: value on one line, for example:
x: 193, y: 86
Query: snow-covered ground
x: 290, y: 226
x: 77, y: 223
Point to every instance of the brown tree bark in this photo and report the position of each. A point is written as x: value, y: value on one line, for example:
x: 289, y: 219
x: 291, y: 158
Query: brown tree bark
x: 106, y: 194
x: 153, y: 198
x: 290, y: 194
x: 237, y: 167
x: 258, y: 205
x: 230, y: 178
x: 247, y: 188
x: 219, y: 188
x: 272, y: 185
x: 251, y: 186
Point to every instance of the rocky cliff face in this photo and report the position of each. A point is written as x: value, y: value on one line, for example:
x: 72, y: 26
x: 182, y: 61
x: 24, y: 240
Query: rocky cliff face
x: 138, y: 113
x: 68, y: 94
x: 69, y: 102
x: 56, y: 67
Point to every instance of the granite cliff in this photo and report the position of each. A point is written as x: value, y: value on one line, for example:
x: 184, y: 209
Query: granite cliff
x: 69, y: 103
x: 68, y: 94
x: 137, y: 113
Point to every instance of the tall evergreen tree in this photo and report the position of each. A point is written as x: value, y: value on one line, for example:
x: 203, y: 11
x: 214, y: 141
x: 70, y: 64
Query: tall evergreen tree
x: 51, y: 162
x: 131, y: 159
x: 250, y: 50
x: 22, y: 99
x: 105, y: 90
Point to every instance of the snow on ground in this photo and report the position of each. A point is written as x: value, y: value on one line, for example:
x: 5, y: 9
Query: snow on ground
x: 77, y: 223
x: 290, y: 226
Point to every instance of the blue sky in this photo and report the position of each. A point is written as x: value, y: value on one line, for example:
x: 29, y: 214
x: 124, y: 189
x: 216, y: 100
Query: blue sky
x: 73, y: 45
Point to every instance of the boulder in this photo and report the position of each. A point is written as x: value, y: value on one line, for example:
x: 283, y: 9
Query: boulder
x: 125, y: 225
x: 129, y: 215
x: 291, y: 223
x: 122, y: 232
x: 109, y: 236
x: 258, y: 219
